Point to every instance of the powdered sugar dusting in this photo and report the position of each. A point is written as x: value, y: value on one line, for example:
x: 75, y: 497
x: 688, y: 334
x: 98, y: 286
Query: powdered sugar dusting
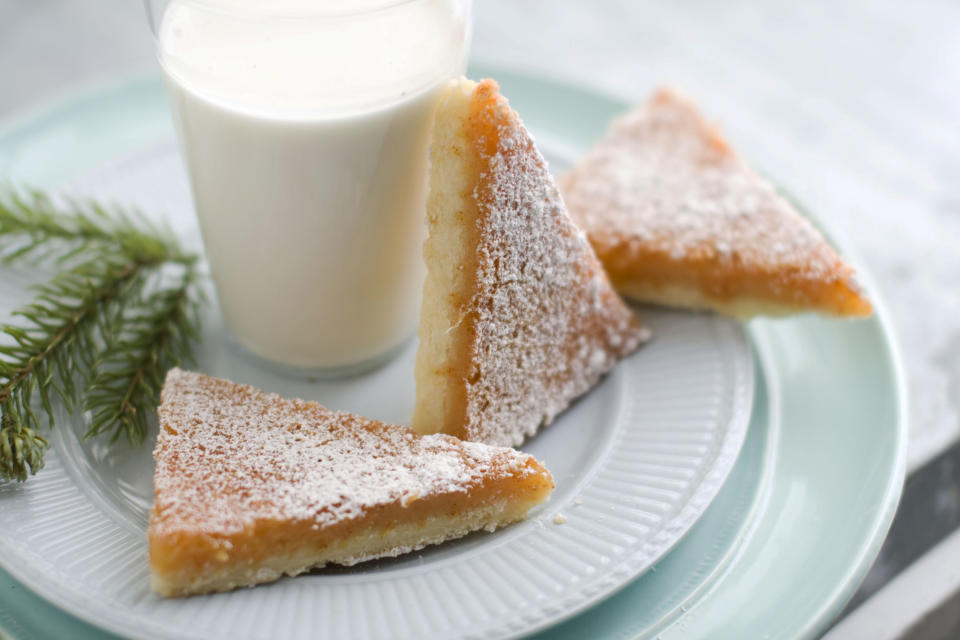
x: 229, y: 455
x: 664, y: 179
x: 548, y: 323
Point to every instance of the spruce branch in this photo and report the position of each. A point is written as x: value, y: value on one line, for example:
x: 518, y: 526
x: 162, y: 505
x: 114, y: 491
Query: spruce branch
x: 155, y: 333
x: 21, y: 449
x: 32, y: 225
x: 53, y: 342
x: 108, y: 324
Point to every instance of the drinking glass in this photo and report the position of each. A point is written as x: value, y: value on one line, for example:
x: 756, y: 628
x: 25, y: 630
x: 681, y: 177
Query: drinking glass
x: 304, y: 126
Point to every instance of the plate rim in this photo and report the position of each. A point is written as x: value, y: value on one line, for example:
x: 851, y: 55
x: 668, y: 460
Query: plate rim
x: 704, y: 489
x: 882, y: 318
x: 893, y: 488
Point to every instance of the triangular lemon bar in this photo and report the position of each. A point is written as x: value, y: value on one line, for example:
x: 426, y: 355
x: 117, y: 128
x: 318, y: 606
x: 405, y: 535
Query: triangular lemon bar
x: 251, y: 486
x: 518, y: 316
x: 679, y: 219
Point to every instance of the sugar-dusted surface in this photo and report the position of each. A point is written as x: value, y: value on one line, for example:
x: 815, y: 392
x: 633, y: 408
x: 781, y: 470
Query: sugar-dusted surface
x: 663, y: 182
x: 229, y: 455
x: 547, y: 323
x: 665, y: 177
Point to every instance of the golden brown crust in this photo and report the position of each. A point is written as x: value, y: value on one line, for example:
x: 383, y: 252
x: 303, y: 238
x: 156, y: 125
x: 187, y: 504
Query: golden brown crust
x: 249, y: 486
x: 652, y: 274
x: 446, y: 329
x: 534, y: 322
x: 677, y: 218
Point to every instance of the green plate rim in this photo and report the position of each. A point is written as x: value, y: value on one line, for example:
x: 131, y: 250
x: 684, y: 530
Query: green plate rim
x: 65, y: 102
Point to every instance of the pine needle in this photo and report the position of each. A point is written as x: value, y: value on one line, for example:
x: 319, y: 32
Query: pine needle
x: 105, y: 328
x: 155, y: 333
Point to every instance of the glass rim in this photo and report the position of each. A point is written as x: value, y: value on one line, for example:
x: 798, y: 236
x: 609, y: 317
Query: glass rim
x: 314, y: 9
x: 155, y: 9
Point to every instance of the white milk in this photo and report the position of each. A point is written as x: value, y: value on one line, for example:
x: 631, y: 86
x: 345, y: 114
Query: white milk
x: 305, y: 126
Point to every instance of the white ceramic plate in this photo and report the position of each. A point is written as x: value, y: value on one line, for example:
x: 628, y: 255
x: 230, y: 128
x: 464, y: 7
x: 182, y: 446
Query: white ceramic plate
x: 636, y: 461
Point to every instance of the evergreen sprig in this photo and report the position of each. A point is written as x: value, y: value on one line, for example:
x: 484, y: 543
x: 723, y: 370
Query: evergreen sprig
x: 121, y: 310
x: 156, y: 333
x: 32, y: 224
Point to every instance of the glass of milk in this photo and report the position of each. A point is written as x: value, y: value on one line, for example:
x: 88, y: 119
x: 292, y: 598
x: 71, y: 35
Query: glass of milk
x: 304, y: 125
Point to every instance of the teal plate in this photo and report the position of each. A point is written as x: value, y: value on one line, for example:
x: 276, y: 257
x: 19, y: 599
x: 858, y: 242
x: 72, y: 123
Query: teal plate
x: 805, y: 510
